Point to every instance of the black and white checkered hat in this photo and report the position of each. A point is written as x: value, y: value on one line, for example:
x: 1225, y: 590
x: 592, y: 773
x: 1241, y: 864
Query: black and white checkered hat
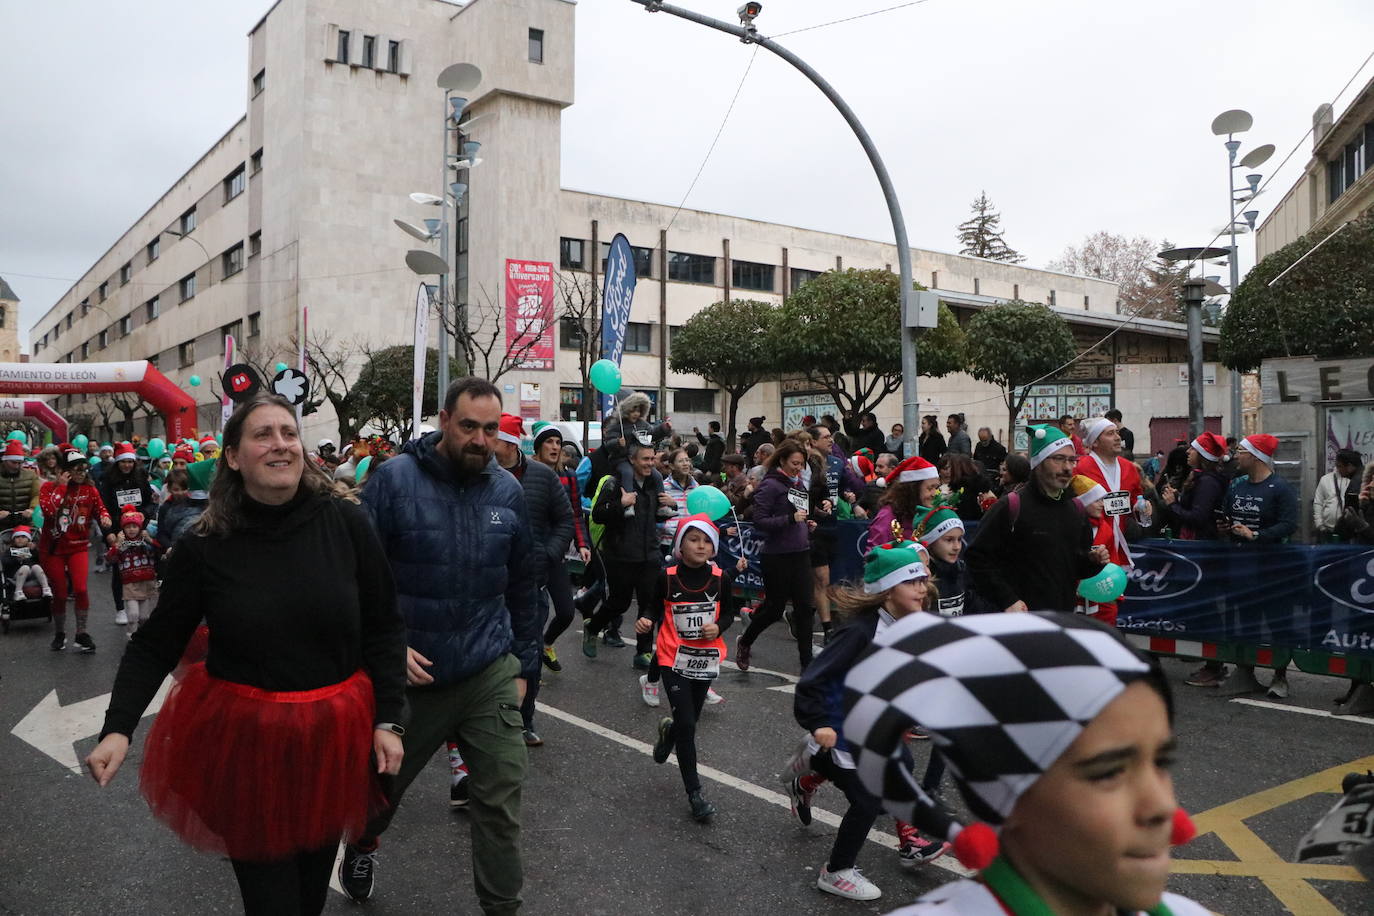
x: 1002, y: 695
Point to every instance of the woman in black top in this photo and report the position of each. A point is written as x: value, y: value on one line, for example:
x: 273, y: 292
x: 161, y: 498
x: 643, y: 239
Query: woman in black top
x: 966, y: 485
x: 931, y: 444
x: 306, y: 651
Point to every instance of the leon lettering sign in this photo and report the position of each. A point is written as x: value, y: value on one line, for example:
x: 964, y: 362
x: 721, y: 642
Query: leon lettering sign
x: 1307, y: 380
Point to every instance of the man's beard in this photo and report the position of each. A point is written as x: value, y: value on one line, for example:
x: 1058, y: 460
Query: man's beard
x: 469, y: 461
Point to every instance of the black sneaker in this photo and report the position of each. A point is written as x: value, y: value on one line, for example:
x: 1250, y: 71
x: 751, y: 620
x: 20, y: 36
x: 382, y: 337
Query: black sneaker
x: 458, y: 794
x: 84, y: 643
x: 550, y: 658
x: 642, y: 661
x: 589, y: 643
x: 356, y: 872
x: 664, y: 745
x: 801, y: 800
x: 59, y: 642
x: 702, y: 810
x: 532, y: 739
x: 613, y: 640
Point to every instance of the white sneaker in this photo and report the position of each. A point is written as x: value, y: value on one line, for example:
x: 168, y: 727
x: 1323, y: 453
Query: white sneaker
x: 47, y: 593
x: 712, y: 698
x: 848, y: 883
x: 649, y: 692
x: 121, y: 618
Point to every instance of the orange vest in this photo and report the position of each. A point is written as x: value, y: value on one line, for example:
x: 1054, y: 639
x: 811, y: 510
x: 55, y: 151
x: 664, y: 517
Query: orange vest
x: 690, y: 609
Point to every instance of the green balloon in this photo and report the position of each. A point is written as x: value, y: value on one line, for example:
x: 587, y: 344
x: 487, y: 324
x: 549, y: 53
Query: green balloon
x: 708, y: 501
x: 94, y: 460
x: 18, y: 436
x: 156, y: 448
x: 361, y: 470
x: 1106, y: 586
x: 219, y: 438
x: 195, y: 381
x: 605, y: 376
x: 281, y: 367
x: 37, y: 518
x: 80, y: 442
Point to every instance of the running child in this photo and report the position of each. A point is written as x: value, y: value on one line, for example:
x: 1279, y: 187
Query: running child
x: 134, y: 553
x: 21, y: 561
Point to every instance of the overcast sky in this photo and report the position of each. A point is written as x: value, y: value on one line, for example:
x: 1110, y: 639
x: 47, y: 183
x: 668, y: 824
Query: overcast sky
x: 1073, y: 115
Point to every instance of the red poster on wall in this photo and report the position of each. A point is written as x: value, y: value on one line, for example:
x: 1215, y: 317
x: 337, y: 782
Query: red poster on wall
x: 529, y: 313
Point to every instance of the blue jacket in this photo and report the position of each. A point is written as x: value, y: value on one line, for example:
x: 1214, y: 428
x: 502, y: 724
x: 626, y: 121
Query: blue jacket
x: 460, y: 551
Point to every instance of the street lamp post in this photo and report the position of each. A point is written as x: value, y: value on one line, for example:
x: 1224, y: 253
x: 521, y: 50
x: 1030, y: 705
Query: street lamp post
x: 748, y: 33
x: 1194, y: 292
x: 181, y: 235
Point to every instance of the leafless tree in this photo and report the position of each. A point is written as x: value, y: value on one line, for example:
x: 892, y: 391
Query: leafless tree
x: 1147, y: 283
x: 481, y: 344
x: 578, y: 308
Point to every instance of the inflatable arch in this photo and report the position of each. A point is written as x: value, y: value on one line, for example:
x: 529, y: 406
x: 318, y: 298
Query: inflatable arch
x: 17, y: 409
x: 177, y: 407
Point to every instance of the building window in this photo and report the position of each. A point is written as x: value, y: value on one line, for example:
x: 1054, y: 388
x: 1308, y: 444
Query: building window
x: 232, y: 260
x: 643, y: 257
x: 977, y: 286
x: 186, y: 353
x: 749, y: 275
x: 255, y: 244
x: 234, y: 330
x: 150, y: 309
x: 125, y: 274
x: 188, y: 286
x: 1052, y: 302
x: 801, y: 276
x: 154, y: 249
x: 369, y: 50
x: 691, y: 268
x: 86, y: 350
x: 572, y: 254
x: 152, y: 360
x: 259, y: 81
x: 1016, y: 290
x: 571, y: 334
x: 934, y: 279
x: 694, y: 400
x: 255, y: 324
x: 126, y: 326
x: 235, y: 183
x: 570, y: 403
x: 342, y: 54
x: 1085, y: 301
x: 536, y: 46
x: 188, y: 221
x: 69, y: 321
x: 85, y: 307
x: 103, y: 291
x: 638, y: 337
x: 56, y: 331
x: 255, y: 161
x: 393, y: 56
x: 103, y: 339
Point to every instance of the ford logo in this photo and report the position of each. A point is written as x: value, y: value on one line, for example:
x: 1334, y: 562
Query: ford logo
x: 1160, y: 574
x: 1349, y: 582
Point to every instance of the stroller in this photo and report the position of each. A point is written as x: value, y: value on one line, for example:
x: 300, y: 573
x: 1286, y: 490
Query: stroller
x: 31, y: 605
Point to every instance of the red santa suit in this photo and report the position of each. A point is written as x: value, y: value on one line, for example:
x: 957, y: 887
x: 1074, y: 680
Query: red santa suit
x: 1121, y: 480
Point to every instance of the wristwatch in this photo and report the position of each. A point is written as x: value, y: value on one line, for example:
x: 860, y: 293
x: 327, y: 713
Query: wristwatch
x: 397, y: 730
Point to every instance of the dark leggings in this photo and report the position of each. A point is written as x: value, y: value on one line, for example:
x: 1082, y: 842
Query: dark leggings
x: 686, y: 696
x: 626, y: 582
x: 935, y: 771
x: 541, y: 609
x: 117, y: 586
x: 298, y: 886
x: 857, y: 821
x: 786, y: 576
x: 561, y: 597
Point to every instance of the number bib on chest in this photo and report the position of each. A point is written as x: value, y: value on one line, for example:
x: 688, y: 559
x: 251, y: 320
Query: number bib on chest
x: 644, y: 437
x: 688, y: 619
x: 128, y: 498
x: 798, y: 499
x: 952, y: 607
x: 1117, y: 502
x: 696, y: 663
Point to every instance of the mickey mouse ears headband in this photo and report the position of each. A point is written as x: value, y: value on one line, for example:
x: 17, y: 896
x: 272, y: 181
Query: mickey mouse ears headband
x: 241, y: 382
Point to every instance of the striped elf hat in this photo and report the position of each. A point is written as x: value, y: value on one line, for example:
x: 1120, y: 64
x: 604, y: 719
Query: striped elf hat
x: 936, y: 523
x: 891, y: 565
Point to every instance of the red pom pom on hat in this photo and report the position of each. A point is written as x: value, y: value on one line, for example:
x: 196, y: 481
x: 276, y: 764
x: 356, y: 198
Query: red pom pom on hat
x: 976, y: 846
x: 1183, y: 830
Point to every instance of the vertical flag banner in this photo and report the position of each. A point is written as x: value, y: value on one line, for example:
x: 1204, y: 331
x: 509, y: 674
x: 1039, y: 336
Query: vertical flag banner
x: 618, y: 292
x: 529, y: 312
x: 417, y: 383
x: 226, y: 406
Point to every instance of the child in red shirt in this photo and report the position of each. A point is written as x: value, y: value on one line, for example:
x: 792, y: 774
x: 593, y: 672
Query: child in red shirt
x: 70, y: 503
x: 135, y: 553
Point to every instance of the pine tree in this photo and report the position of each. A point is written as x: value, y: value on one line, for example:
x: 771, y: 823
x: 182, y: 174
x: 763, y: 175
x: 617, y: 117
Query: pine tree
x: 981, y: 235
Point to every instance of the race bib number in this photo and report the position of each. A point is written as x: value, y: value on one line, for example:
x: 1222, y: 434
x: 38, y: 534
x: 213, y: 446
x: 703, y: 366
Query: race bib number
x: 129, y: 497
x: 18, y: 553
x: 644, y: 438
x: 688, y: 619
x: 798, y: 499
x: 1117, y: 502
x: 697, y: 664
x: 951, y: 607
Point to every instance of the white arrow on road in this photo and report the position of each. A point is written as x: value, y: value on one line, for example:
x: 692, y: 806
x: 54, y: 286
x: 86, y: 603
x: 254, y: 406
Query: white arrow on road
x: 54, y: 729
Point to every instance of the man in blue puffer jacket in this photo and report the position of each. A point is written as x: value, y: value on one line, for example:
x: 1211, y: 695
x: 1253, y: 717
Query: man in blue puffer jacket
x: 454, y: 526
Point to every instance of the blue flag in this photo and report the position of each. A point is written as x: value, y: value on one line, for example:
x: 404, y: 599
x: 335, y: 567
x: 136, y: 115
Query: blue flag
x: 618, y: 292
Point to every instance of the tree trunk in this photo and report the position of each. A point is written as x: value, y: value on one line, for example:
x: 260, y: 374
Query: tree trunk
x: 732, y: 413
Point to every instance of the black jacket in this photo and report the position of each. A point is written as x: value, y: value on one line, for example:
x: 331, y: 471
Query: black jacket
x: 751, y: 440
x: 549, y: 512
x: 932, y: 446
x: 990, y: 455
x: 628, y: 539
x: 715, y: 450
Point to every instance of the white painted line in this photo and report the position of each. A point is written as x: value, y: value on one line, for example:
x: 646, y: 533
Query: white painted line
x: 778, y: 799
x: 1303, y: 710
x: 781, y: 675
x: 785, y: 688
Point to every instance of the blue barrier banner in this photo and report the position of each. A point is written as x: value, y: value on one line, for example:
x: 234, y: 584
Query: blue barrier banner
x: 1287, y: 596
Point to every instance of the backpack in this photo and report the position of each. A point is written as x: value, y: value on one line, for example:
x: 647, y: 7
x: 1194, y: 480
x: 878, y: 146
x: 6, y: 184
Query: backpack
x: 596, y: 529
x: 1014, y: 508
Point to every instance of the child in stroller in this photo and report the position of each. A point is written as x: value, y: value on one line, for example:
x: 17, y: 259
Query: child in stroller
x: 26, y: 595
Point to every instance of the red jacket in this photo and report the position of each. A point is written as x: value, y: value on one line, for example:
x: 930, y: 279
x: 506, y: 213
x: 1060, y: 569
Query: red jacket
x: 67, y: 515
x: 1126, y: 479
x: 136, y: 559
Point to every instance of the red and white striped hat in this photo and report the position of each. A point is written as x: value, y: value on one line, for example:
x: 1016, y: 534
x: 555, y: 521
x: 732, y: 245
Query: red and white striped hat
x: 912, y: 470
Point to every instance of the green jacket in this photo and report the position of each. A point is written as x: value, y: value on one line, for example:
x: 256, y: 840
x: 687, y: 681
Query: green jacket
x: 19, y: 492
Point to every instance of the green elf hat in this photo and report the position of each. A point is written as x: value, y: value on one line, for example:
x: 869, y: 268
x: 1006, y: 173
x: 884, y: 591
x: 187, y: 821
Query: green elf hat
x: 543, y: 430
x: 1045, y: 440
x: 201, y: 474
x: 936, y: 523
x: 891, y: 565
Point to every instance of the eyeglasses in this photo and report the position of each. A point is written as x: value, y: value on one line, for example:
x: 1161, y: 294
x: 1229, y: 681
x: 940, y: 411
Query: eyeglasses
x: 1062, y: 459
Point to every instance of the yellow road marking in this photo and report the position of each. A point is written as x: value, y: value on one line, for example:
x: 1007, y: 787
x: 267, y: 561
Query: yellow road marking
x: 1242, y: 869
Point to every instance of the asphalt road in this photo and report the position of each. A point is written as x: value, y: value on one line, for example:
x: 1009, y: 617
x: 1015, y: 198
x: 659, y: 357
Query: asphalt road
x: 607, y: 831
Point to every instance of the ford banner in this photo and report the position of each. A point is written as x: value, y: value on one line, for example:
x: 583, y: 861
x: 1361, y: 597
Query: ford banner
x: 618, y: 292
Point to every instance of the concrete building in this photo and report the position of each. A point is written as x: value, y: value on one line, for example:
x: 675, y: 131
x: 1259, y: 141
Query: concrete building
x: 284, y: 227
x: 9, y: 323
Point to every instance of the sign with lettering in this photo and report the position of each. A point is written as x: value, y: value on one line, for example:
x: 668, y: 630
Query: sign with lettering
x: 1304, y: 379
x: 529, y: 313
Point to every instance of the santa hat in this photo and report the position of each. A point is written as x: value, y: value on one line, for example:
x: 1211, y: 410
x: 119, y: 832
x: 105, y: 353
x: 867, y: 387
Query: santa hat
x: 808, y: 420
x: 512, y: 427
x: 862, y: 466
x: 543, y: 431
x: 24, y: 530
x: 1094, y: 428
x: 892, y: 564
x: 701, y: 523
x: 913, y: 469
x: 937, y: 523
x: 1002, y: 695
x: 184, y: 452
x: 1045, y: 440
x: 1262, y: 446
x: 131, y: 516
x: 14, y: 450
x: 1211, y: 446
x: 125, y: 452
x: 1086, y: 490
x: 208, y: 442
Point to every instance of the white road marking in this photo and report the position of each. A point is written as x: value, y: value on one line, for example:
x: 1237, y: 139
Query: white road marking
x: 778, y: 799
x: 54, y: 729
x: 1302, y: 710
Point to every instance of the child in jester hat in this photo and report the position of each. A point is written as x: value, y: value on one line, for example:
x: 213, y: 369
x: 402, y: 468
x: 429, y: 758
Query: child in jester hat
x: 896, y: 585
x: 1059, y: 736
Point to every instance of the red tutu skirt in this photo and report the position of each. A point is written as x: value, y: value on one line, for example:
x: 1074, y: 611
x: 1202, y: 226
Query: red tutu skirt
x: 261, y: 775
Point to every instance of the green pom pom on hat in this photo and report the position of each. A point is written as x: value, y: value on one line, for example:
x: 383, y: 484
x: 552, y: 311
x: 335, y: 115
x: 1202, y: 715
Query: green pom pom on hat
x: 891, y: 565
x: 1045, y: 440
